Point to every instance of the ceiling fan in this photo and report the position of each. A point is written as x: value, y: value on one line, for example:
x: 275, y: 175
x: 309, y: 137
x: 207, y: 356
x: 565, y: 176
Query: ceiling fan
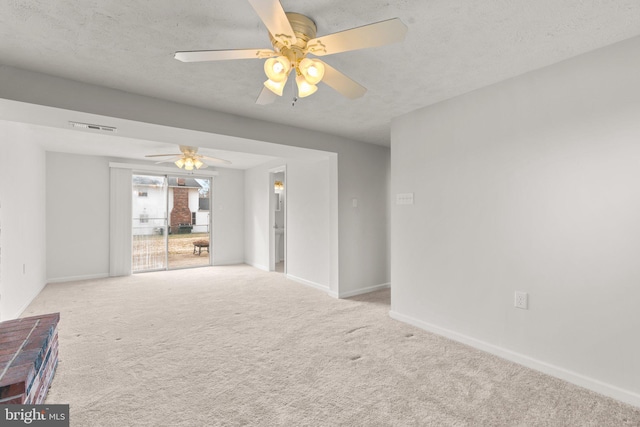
x: 189, y: 158
x: 293, y: 37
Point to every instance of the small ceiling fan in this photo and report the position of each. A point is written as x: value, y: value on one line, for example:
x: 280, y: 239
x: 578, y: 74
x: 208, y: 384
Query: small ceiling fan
x: 293, y: 37
x: 189, y: 158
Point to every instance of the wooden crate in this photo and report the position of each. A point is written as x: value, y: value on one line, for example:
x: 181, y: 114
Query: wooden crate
x: 28, y: 358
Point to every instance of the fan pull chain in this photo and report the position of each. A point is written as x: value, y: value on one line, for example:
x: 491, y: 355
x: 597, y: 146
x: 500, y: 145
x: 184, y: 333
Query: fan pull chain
x: 295, y: 93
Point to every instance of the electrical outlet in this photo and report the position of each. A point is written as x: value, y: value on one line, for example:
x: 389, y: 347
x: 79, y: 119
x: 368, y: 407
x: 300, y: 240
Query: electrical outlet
x: 522, y: 300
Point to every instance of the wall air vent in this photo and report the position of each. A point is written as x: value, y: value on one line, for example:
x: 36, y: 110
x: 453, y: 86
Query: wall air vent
x: 90, y: 126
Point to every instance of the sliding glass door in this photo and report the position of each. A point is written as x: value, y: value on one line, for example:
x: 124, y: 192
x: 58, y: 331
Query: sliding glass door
x: 188, y: 242
x: 149, y: 223
x: 171, y: 222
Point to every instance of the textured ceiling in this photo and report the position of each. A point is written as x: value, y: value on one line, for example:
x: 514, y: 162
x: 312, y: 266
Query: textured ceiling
x: 452, y: 47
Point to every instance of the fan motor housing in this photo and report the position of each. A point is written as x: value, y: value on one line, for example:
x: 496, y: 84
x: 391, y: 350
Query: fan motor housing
x: 304, y: 29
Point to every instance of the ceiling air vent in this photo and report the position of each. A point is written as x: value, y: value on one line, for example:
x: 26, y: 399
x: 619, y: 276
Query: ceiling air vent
x: 90, y: 126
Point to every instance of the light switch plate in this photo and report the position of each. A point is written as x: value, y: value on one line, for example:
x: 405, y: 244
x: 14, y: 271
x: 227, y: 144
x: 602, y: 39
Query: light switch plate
x: 404, y: 199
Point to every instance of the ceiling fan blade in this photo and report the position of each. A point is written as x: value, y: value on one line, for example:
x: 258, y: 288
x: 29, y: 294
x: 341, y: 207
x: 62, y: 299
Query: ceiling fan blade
x: 372, y: 35
x: 341, y: 83
x: 274, y: 18
x: 266, y: 97
x: 216, y: 160
x: 204, y: 166
x: 222, y: 55
x: 171, y: 160
x: 162, y: 155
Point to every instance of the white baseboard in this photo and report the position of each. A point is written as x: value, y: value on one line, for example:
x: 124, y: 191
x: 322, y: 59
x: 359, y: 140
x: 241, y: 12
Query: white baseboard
x: 24, y: 306
x: 363, y: 290
x: 77, y: 278
x: 228, y: 262
x: 555, y: 371
x: 258, y: 266
x: 309, y: 283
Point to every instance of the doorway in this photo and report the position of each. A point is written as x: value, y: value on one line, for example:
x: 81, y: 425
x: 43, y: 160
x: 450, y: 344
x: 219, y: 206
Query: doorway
x: 171, y: 222
x: 278, y: 220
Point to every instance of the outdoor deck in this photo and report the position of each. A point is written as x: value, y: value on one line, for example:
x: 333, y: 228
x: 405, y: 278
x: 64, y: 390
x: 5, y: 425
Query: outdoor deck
x: 149, y: 254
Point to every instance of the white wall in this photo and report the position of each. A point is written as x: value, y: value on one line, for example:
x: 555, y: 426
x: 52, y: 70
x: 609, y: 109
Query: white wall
x: 194, y: 200
x: 533, y: 185
x: 256, y: 217
x: 84, y: 253
x: 23, y: 208
x: 308, y: 219
x: 362, y: 171
x: 228, y: 210
x: 154, y: 205
x: 202, y: 222
x: 308, y: 230
x: 77, y: 217
x: 363, y: 175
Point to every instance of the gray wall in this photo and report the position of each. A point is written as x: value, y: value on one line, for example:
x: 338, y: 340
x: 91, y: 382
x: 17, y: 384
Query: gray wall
x: 529, y: 185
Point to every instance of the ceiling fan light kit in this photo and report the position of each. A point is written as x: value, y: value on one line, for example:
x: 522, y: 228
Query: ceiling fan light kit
x: 293, y: 56
x: 275, y: 87
x: 304, y: 87
x: 312, y: 70
x: 293, y: 37
x: 189, y: 158
x: 277, y: 69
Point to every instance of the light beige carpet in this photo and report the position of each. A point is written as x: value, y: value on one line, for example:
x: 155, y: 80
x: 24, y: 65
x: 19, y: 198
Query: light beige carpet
x: 237, y: 346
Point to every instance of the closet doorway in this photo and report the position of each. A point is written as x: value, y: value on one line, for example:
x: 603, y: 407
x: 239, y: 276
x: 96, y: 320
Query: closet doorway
x: 278, y: 219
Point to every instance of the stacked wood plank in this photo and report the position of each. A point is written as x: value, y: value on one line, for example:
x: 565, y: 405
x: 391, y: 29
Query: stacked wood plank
x: 28, y: 358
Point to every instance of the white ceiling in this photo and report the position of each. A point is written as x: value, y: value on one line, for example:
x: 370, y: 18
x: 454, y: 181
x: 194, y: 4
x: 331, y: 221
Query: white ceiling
x: 452, y: 47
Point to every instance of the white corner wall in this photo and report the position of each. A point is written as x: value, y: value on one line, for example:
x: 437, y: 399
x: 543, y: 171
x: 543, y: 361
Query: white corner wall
x: 532, y: 185
x: 364, y: 175
x: 256, y: 217
x: 308, y: 221
x: 228, y: 217
x: 22, y: 217
x: 308, y: 230
x: 77, y: 217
